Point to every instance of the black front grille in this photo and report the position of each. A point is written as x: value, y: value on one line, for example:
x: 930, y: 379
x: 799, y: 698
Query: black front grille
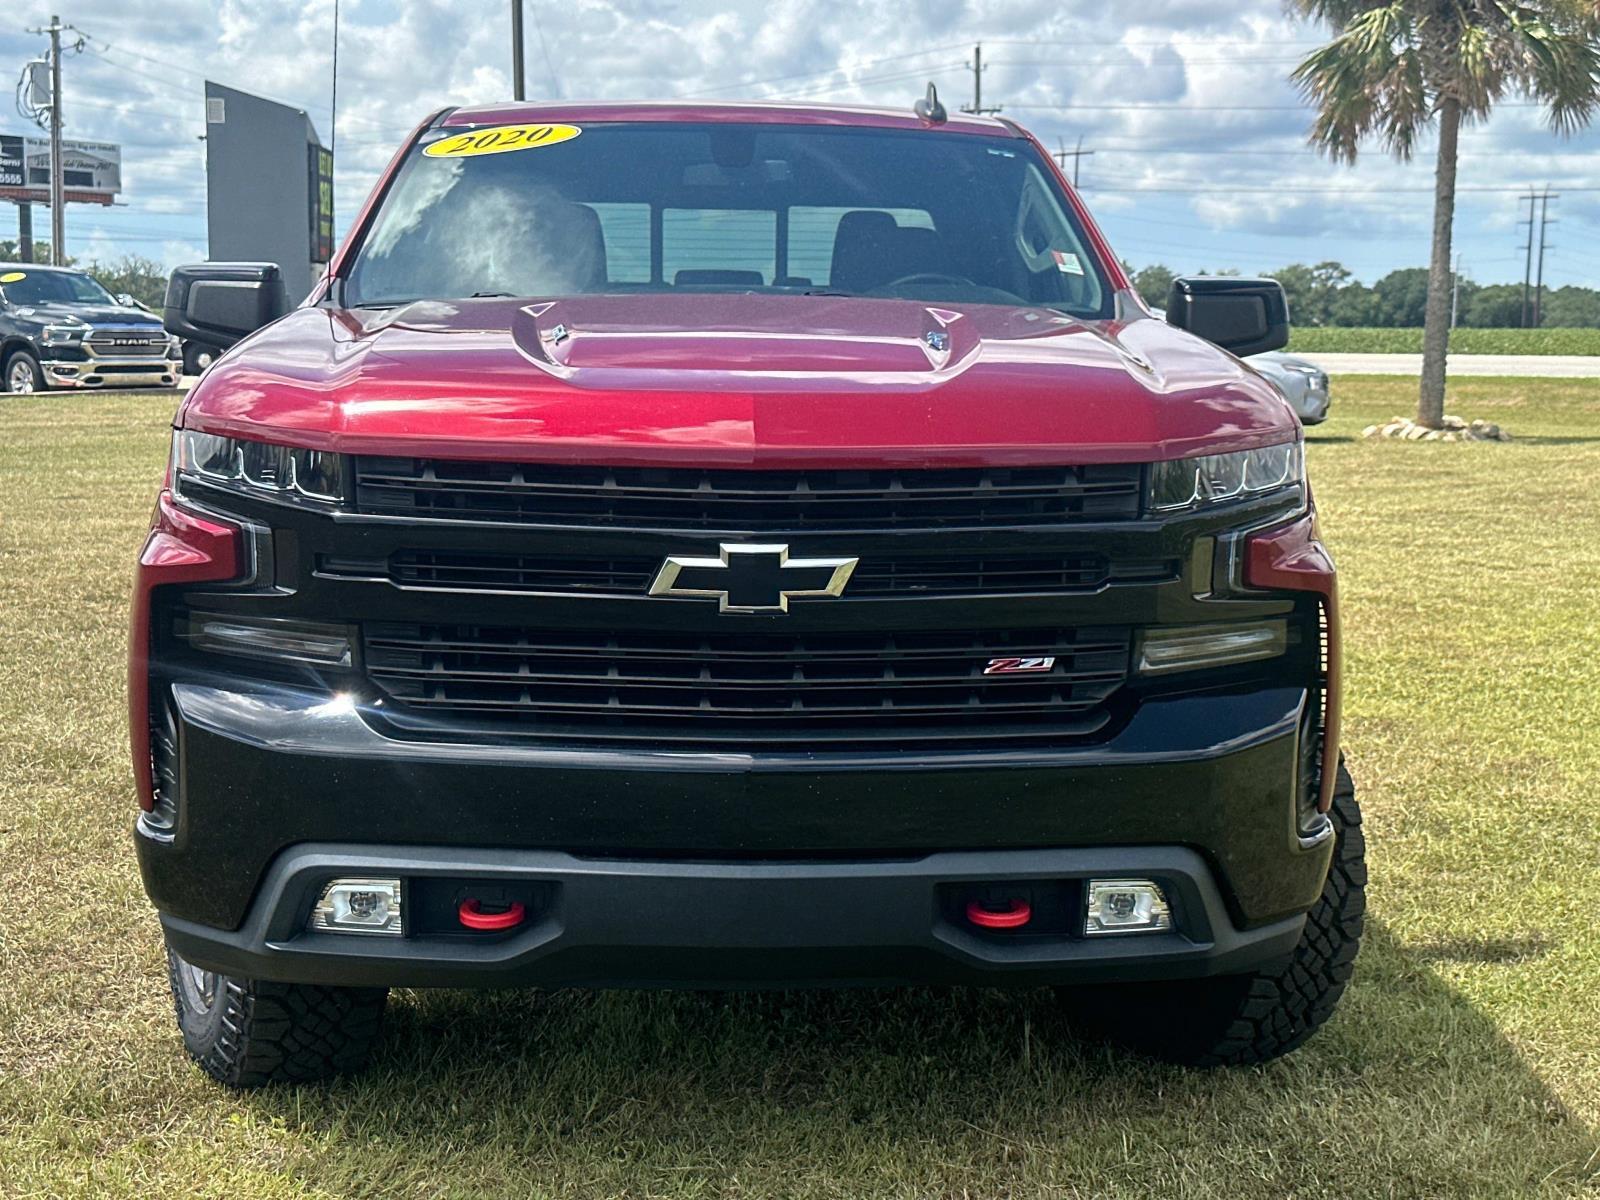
x: 124, y: 345
x: 751, y: 688
x: 692, y: 498
x: 977, y: 574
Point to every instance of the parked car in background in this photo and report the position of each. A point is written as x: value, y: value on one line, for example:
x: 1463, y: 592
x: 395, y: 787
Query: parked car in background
x: 1303, y: 383
x: 60, y: 329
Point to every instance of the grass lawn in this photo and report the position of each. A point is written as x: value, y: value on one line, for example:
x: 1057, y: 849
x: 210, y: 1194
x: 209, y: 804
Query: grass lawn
x: 1311, y: 339
x: 1465, y: 1060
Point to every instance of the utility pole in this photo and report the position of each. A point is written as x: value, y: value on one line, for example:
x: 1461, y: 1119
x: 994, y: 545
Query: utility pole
x: 1455, y: 292
x: 977, y: 68
x: 58, y: 205
x: 1544, y: 224
x: 24, y: 231
x: 58, y: 200
x: 1527, y: 271
x: 1077, y: 156
x: 518, y: 88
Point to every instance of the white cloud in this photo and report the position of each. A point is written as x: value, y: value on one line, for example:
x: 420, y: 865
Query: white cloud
x: 1198, y: 138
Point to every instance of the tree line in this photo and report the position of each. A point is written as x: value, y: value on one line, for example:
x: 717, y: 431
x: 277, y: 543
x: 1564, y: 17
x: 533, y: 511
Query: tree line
x: 1324, y: 294
x: 1328, y: 294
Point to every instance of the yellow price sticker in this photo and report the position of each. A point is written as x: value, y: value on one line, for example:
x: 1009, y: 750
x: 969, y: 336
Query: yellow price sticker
x: 501, y: 139
x: 13, y: 277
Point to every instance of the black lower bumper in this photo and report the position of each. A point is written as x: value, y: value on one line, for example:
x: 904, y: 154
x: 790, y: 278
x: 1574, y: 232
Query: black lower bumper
x: 691, y: 868
x: 598, y: 923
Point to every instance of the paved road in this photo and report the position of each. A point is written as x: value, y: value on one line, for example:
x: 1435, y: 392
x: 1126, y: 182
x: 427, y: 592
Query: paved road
x: 1555, y: 366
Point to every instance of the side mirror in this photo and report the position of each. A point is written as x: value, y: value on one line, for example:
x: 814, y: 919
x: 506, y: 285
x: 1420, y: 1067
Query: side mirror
x: 126, y: 300
x: 222, y: 303
x: 1243, y: 316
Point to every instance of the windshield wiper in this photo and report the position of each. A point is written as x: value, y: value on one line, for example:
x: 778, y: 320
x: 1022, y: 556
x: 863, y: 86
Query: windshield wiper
x: 490, y: 295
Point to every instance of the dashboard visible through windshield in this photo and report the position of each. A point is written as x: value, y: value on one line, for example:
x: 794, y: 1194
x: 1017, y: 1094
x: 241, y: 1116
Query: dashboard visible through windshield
x: 547, y: 211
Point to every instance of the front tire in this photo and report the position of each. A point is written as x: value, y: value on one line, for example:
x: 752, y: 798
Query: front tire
x: 1238, y: 1020
x: 23, y: 375
x: 247, y: 1033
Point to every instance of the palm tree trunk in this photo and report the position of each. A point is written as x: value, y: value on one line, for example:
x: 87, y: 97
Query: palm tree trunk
x: 1436, y: 323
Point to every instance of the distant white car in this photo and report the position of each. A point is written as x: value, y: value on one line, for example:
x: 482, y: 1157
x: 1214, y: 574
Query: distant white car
x: 1303, y: 384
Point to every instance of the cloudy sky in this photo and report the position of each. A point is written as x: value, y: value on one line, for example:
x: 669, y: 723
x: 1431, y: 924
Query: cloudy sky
x: 1199, y: 142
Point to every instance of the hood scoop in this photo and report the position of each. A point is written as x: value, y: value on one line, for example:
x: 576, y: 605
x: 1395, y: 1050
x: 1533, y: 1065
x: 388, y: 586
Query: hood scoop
x: 572, y: 338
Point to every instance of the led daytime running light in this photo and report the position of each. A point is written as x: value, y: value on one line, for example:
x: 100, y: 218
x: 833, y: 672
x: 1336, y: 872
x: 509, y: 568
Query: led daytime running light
x: 260, y: 467
x: 1217, y: 478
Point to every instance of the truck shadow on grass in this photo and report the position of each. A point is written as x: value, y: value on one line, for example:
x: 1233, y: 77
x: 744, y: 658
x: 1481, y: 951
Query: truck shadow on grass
x: 1409, y: 1091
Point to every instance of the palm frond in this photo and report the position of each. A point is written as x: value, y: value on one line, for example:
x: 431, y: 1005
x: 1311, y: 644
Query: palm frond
x: 1392, y: 62
x: 1367, y: 80
x: 1554, y: 56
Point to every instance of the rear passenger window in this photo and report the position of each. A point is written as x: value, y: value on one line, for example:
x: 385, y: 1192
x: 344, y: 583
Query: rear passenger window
x: 627, y: 233
x: 812, y: 232
x: 719, y: 246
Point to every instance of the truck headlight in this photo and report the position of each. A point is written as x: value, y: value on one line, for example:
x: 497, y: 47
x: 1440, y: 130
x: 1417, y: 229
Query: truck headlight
x: 1216, y: 478
x: 259, y: 469
x: 58, y: 335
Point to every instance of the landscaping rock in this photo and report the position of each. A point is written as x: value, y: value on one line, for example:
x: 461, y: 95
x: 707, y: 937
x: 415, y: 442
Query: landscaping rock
x: 1451, y: 429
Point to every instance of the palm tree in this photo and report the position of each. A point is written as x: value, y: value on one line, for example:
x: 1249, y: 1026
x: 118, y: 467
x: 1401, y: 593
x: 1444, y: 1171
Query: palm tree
x: 1398, y: 66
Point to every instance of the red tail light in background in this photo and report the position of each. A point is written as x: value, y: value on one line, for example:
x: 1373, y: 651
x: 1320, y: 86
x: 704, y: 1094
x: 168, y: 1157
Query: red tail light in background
x: 183, y: 547
x: 1292, y: 558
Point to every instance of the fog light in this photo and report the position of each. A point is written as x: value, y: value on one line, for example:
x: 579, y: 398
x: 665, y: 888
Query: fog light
x: 1125, y: 906
x: 359, y: 906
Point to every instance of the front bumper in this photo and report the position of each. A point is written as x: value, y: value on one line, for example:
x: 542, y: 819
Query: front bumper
x: 102, y: 372
x: 608, y: 922
x: 699, y: 868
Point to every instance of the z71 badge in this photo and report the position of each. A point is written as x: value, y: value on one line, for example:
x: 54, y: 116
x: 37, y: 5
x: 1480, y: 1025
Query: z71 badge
x: 1019, y: 666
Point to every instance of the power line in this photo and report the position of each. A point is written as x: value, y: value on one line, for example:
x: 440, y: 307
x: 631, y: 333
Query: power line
x: 918, y: 73
x: 1297, y: 191
x: 877, y: 62
x: 544, y: 52
x: 1064, y: 107
x: 1091, y: 64
x: 1164, y: 44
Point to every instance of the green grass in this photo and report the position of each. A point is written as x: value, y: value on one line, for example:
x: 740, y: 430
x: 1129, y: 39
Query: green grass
x: 1328, y: 340
x: 1465, y: 1060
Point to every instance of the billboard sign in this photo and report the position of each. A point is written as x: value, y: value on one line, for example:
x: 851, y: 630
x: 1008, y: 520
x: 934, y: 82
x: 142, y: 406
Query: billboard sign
x: 92, y: 171
x: 320, y: 173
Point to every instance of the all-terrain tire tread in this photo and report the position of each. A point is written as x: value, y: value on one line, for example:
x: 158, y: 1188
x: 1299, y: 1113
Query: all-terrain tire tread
x: 1284, y: 1007
x: 287, y: 1032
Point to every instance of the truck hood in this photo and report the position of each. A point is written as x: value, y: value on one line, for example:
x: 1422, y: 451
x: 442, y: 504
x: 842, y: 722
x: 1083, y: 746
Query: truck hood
x: 91, y: 314
x: 730, y: 379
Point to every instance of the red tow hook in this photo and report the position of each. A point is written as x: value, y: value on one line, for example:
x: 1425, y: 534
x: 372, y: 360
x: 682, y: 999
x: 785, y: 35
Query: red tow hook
x: 473, y: 916
x: 1015, y: 915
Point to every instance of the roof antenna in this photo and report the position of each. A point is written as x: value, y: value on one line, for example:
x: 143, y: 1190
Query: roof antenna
x: 929, y: 108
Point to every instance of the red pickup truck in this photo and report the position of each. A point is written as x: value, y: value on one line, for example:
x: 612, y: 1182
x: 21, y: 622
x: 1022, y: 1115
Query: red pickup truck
x: 699, y: 546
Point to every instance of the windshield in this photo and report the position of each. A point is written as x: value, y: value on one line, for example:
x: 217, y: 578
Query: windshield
x: 550, y: 211
x: 21, y: 286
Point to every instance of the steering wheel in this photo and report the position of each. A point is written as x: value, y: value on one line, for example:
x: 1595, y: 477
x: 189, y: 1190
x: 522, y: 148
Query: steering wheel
x: 926, y: 277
